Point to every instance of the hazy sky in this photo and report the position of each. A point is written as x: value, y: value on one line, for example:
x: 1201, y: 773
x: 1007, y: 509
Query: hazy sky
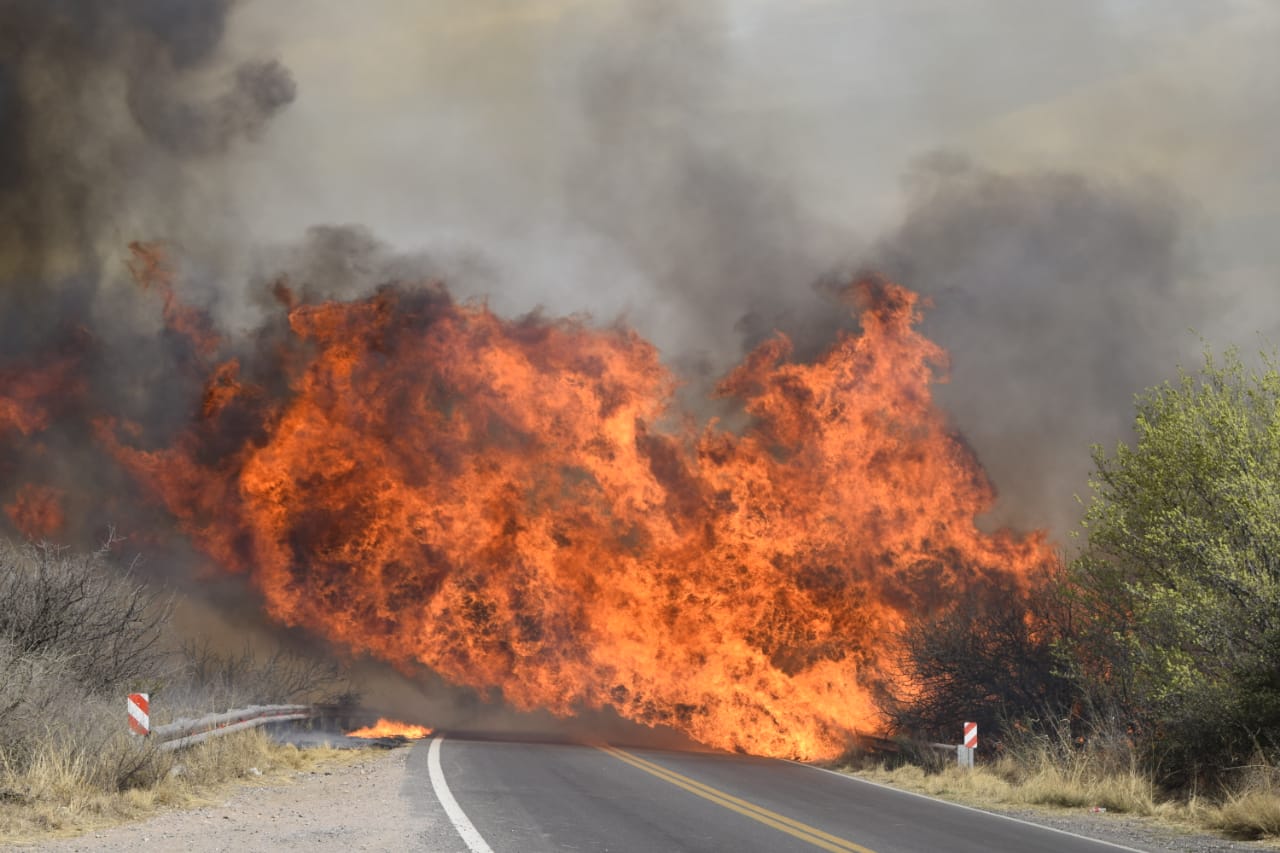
x: 442, y: 121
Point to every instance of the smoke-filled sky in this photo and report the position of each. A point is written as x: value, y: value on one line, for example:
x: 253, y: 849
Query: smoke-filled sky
x: 1077, y: 186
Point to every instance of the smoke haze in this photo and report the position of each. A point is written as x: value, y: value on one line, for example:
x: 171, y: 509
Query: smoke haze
x: 1077, y: 189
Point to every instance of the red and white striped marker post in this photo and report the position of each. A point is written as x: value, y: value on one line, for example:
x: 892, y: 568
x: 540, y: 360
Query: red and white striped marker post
x: 964, y: 752
x: 140, y: 714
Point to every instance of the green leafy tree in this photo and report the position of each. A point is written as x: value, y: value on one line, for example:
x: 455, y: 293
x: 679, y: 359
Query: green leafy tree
x: 1182, y: 567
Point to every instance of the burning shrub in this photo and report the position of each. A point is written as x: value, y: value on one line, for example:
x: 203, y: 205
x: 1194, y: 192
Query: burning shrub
x: 992, y: 657
x: 213, y: 678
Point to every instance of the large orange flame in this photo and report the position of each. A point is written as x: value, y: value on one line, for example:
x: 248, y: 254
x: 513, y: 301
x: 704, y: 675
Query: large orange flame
x: 517, y: 505
x: 33, y: 394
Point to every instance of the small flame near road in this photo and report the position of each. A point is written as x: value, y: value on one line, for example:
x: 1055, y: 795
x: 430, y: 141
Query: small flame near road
x: 391, y: 728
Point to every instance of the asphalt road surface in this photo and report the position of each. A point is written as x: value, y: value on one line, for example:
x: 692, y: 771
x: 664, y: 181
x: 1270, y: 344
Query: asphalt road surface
x: 523, y: 797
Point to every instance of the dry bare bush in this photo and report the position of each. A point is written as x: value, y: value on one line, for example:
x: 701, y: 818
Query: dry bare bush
x: 103, y: 625
x: 75, y: 635
x: 30, y: 683
x: 221, y: 679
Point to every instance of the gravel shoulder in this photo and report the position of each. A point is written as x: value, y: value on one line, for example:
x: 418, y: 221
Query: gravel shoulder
x: 364, y: 805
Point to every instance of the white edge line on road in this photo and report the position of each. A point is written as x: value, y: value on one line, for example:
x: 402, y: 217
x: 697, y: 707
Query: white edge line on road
x: 852, y: 778
x: 457, y: 816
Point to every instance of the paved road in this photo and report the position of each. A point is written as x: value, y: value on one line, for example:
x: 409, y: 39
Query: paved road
x: 525, y: 797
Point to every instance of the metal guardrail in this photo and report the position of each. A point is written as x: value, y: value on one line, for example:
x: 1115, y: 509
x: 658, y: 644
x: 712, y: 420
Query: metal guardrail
x: 183, y: 733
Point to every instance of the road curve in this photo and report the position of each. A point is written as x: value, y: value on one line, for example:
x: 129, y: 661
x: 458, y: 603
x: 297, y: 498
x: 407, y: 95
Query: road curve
x: 509, y: 796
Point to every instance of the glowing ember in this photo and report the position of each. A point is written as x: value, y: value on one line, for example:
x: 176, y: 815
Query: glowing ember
x: 518, y: 506
x: 391, y: 728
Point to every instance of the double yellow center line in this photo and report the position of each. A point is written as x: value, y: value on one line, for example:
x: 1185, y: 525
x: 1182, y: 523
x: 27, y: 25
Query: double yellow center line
x: 782, y: 823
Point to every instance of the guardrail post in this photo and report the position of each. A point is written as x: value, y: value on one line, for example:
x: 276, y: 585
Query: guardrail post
x: 964, y: 752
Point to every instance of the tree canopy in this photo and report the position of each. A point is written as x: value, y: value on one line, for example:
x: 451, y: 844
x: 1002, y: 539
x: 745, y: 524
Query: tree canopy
x: 1181, y: 569
x: 1163, y: 632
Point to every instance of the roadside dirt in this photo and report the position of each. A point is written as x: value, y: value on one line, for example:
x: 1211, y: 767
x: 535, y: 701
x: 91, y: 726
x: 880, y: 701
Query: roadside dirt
x: 364, y: 805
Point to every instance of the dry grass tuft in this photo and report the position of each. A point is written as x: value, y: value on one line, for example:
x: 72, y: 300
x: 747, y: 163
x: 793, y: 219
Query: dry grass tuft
x: 1081, y: 780
x: 1252, y: 809
x: 1086, y: 780
x: 1251, y: 815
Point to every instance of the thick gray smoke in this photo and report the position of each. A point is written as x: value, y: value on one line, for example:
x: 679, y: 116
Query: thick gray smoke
x: 1076, y: 187
x: 1058, y: 297
x: 728, y: 251
x: 1059, y: 294
x: 101, y: 103
x: 119, y: 121
x: 709, y: 171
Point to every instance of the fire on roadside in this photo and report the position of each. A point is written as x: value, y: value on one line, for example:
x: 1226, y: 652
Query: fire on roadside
x: 391, y: 728
x: 523, y: 507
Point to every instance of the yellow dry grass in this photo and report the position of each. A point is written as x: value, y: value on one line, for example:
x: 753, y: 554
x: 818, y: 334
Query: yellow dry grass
x: 1251, y: 815
x: 54, y: 795
x: 1251, y: 810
